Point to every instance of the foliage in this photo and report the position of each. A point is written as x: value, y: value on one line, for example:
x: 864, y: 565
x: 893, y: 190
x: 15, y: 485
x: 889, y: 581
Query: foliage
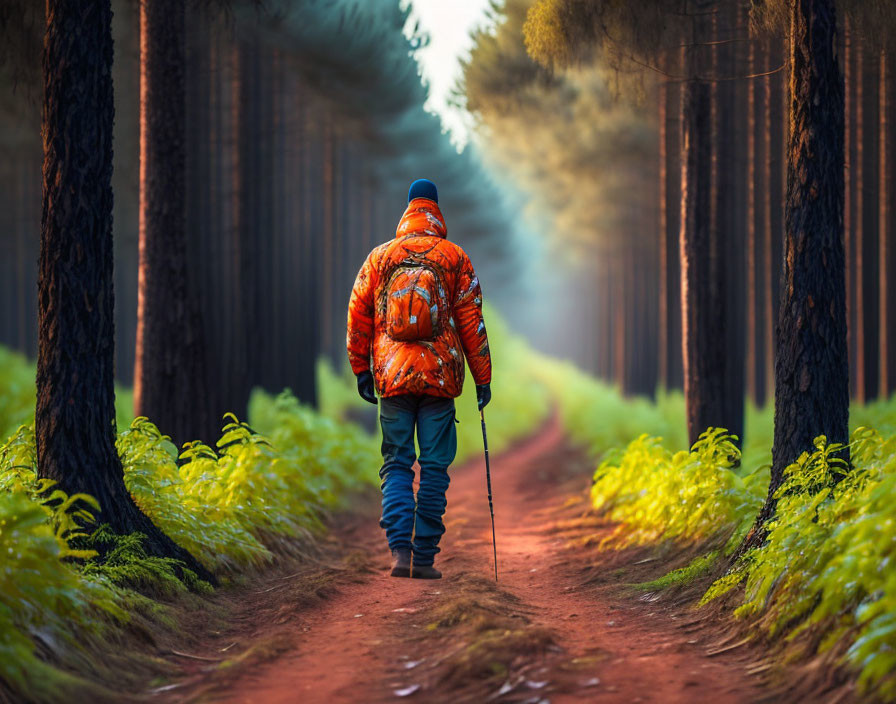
x: 18, y: 391
x: 823, y: 575
x: 559, y: 32
x: 684, y: 495
x: 520, y: 402
x: 40, y: 592
x: 547, y: 129
x: 827, y: 556
x: 697, y: 567
x: 595, y: 415
x: 18, y: 394
x: 123, y: 561
x: 230, y: 507
x: 189, y: 503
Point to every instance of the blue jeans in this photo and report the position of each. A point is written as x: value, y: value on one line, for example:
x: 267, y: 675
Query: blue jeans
x: 411, y: 525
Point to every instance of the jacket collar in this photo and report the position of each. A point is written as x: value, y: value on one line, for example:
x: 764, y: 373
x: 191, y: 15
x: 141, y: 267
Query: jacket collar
x: 422, y: 217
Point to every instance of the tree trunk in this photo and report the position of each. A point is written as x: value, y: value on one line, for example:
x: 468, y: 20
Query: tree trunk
x: 701, y: 341
x: 75, y: 414
x: 728, y: 232
x: 811, y: 367
x: 887, y: 255
x: 768, y: 245
x: 672, y: 291
x: 328, y: 262
x: 702, y: 273
x: 663, y: 248
x: 870, y: 215
x: 170, y: 386
x: 754, y: 305
x: 858, y: 205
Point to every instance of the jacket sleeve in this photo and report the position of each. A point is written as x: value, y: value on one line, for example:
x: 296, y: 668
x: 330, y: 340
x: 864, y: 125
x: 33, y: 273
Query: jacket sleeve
x: 359, y: 337
x: 470, y: 323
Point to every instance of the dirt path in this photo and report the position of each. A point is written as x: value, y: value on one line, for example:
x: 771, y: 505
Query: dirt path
x: 543, y: 634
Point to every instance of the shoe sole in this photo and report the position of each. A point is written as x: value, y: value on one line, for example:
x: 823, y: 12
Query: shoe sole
x: 400, y: 572
x: 420, y: 576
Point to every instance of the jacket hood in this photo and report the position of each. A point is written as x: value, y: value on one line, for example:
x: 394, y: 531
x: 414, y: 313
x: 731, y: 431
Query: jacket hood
x: 422, y: 217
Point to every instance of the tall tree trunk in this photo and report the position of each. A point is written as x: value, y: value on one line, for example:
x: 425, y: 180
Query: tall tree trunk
x: 663, y: 231
x: 887, y: 255
x: 870, y: 215
x: 702, y: 272
x: 75, y: 414
x: 858, y: 205
x: 776, y: 147
x: 728, y: 231
x: 672, y: 292
x: 752, y: 249
x: 170, y: 386
x: 328, y: 183
x: 703, y: 386
x: 770, y: 202
x: 811, y: 370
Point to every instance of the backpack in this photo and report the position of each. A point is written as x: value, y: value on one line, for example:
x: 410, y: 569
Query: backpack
x: 413, y: 301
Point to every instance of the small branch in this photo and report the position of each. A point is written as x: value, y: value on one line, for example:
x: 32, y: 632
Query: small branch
x: 195, y: 657
x: 752, y: 75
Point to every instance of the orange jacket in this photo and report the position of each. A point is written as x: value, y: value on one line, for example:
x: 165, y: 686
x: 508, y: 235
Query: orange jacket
x: 433, y: 365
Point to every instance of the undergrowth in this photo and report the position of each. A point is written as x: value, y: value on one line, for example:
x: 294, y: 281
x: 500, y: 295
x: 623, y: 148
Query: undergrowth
x: 824, y: 577
x: 231, y: 506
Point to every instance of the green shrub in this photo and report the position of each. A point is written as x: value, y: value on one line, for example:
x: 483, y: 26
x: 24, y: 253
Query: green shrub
x: 829, y: 554
x: 827, y: 563
x: 689, y: 496
x: 17, y: 391
x: 228, y: 506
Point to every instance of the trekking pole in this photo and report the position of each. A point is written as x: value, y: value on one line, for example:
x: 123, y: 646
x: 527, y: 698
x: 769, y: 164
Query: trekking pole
x: 488, y: 480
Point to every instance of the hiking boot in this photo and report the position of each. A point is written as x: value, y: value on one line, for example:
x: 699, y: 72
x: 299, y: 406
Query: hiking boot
x: 401, y: 563
x: 425, y: 572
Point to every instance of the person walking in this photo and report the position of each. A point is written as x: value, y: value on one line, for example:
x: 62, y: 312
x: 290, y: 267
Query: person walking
x: 415, y: 313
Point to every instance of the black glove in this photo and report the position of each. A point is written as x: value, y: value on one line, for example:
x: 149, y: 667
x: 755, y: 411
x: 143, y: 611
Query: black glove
x: 483, y: 395
x: 365, y: 387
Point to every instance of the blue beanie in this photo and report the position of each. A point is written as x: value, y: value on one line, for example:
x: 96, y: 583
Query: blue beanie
x: 423, y: 188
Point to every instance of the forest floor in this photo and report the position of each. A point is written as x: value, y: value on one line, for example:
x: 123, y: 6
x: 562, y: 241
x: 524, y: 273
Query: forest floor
x: 564, y: 623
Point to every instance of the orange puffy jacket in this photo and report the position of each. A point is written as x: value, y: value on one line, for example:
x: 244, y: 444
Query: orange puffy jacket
x: 416, y: 310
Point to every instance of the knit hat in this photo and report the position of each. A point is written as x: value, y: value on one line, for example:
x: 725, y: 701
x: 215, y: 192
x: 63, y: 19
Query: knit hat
x: 423, y: 188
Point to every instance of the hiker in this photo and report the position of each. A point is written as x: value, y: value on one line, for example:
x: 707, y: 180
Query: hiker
x: 415, y: 313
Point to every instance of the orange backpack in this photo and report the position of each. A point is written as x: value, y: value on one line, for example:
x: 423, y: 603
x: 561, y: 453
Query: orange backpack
x: 414, y: 299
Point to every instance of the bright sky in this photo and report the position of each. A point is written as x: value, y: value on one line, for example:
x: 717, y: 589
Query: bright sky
x: 449, y: 24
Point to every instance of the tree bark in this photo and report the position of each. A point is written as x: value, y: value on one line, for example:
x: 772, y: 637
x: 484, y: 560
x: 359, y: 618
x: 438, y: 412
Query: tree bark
x: 887, y: 255
x: 170, y: 385
x: 703, y: 385
x: 811, y: 370
x: 752, y: 249
x: 75, y: 413
x: 769, y: 242
x: 858, y: 204
x: 663, y: 231
x: 702, y: 273
x: 728, y: 232
x: 870, y: 216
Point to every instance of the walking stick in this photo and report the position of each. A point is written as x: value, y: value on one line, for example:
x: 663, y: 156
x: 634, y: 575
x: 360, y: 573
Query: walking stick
x: 488, y: 480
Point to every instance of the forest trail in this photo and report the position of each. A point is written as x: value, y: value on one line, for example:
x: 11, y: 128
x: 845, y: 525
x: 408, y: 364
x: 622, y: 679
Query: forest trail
x: 556, y: 627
